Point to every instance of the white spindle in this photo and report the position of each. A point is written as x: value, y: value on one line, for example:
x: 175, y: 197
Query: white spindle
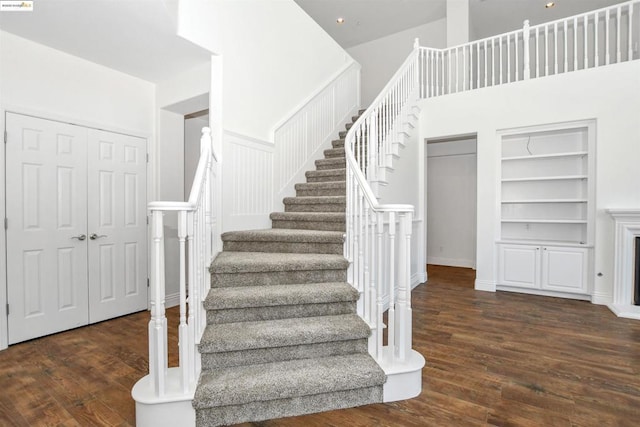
x: 596, y: 47
x: 586, y: 42
x: 607, y: 56
x: 391, y: 315
x: 526, y: 73
x: 508, y: 46
x: 566, y: 52
x: 537, y: 58
x: 486, y: 58
x: 575, y: 44
x: 630, y: 33
x: 183, y: 336
x: 380, y: 295
x: 464, y: 68
x: 517, y: 59
x: 618, y: 30
x: 555, y: 48
x: 158, y: 321
x: 477, y: 65
x: 546, y: 50
x: 501, y: 64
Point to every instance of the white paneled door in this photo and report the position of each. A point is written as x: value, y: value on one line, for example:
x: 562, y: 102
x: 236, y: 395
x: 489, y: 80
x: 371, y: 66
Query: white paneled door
x: 76, y: 226
x: 117, y: 230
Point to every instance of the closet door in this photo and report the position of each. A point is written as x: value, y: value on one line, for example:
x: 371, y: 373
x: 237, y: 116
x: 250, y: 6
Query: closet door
x: 116, y: 224
x: 47, y: 224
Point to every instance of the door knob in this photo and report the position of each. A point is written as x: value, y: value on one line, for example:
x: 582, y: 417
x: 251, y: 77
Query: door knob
x: 95, y: 236
x: 80, y: 237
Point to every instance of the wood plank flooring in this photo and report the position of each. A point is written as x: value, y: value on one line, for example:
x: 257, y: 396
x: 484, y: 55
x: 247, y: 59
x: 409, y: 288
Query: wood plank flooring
x: 498, y: 359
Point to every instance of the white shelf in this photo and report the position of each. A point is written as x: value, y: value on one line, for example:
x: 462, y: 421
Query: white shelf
x: 546, y: 242
x: 545, y: 221
x: 546, y: 178
x: 545, y: 156
x: 536, y: 201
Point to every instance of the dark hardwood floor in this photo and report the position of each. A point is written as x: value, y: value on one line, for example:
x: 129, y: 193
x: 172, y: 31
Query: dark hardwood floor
x: 498, y: 359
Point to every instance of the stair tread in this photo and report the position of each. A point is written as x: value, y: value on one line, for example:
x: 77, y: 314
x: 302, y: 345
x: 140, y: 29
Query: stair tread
x: 321, y: 185
x: 282, y: 380
x: 284, y: 235
x: 310, y: 200
x: 274, y: 295
x: 253, y: 262
x: 326, y: 172
x: 308, y: 216
x: 282, y: 333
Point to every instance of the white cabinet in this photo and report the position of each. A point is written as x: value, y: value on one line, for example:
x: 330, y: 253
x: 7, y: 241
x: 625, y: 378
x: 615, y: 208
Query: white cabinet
x: 548, y: 268
x: 546, y: 189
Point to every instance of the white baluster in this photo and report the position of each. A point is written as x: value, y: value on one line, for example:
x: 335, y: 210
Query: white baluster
x: 618, y: 22
x: 380, y: 296
x: 449, y: 71
x: 555, y: 47
x: 546, y: 50
x: 537, y: 57
x: 486, y: 59
x: 158, y: 321
x: 183, y: 337
x: 193, y: 306
x: 526, y: 74
x: 575, y: 44
x: 501, y: 62
x: 630, y: 34
x: 517, y: 59
x: 391, y: 315
x: 606, y: 34
x: 596, y: 56
x: 366, y: 291
x: 586, y: 42
x: 508, y: 58
x: 566, y: 52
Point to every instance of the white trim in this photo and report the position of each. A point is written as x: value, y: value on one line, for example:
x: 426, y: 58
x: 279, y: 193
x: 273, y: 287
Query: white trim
x: 418, y: 279
x: 544, y: 293
x: 452, y: 262
x: 627, y: 228
x: 601, y: 298
x: 172, y: 300
x: 485, y: 285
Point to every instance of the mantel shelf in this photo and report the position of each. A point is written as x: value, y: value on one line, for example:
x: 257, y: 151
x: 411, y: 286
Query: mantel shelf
x: 536, y: 201
x: 546, y: 178
x: 546, y: 156
x: 545, y: 221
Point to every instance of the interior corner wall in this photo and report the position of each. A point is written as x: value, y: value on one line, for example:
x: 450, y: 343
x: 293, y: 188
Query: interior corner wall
x: 44, y: 82
x: 381, y: 58
x: 275, y: 57
x: 610, y: 95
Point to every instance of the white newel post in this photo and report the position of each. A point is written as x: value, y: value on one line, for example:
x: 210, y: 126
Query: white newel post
x: 525, y: 52
x: 158, y: 321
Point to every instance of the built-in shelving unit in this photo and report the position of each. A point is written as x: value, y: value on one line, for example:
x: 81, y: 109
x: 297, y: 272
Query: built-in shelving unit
x: 546, y: 216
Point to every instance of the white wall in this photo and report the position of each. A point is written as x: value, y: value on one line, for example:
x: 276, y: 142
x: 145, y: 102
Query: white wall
x: 381, y: 58
x: 275, y: 56
x: 451, y: 203
x: 611, y: 95
x: 457, y: 22
x: 403, y: 188
x: 44, y: 82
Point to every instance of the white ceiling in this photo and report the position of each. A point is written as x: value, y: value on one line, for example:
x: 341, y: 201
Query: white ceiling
x: 135, y: 37
x: 367, y: 20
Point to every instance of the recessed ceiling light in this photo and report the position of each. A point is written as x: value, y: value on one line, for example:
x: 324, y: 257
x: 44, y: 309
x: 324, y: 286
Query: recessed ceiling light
x: 340, y: 20
x: 550, y: 4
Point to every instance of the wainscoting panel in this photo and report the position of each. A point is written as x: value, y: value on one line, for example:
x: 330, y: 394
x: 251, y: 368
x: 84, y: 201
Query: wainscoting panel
x: 247, y: 182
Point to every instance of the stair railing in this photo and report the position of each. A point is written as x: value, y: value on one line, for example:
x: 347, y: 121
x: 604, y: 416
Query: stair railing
x: 378, y: 237
x: 593, y: 39
x: 198, y: 243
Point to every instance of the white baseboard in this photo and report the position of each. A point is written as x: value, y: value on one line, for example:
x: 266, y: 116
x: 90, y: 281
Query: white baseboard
x: 452, y: 262
x: 485, y: 285
x: 418, y: 279
x: 172, y: 300
x: 601, y: 298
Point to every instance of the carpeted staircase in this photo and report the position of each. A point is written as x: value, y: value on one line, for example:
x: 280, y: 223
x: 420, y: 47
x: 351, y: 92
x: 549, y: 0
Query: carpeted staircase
x: 283, y: 337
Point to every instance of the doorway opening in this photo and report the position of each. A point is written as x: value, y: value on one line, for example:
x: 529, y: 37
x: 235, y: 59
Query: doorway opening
x: 451, y: 198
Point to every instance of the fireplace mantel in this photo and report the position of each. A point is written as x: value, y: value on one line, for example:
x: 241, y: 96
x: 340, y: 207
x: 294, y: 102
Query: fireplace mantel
x: 627, y: 228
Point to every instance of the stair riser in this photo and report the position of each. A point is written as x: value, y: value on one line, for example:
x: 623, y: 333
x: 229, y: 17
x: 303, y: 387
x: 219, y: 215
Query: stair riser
x: 321, y: 192
x: 277, y: 278
x: 278, y: 408
x: 309, y: 225
x: 275, y: 354
x: 335, y: 152
x: 279, y: 312
x: 337, y: 143
x: 320, y: 207
x: 284, y: 247
x: 328, y: 178
x: 325, y: 164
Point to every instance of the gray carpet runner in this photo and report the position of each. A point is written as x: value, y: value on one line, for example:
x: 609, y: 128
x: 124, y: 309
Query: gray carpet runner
x: 283, y: 337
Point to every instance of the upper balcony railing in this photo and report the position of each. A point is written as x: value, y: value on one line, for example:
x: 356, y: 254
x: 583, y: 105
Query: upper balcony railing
x: 589, y: 40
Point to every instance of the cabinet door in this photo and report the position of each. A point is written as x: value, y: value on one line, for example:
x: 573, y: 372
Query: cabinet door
x: 564, y: 269
x: 519, y: 266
